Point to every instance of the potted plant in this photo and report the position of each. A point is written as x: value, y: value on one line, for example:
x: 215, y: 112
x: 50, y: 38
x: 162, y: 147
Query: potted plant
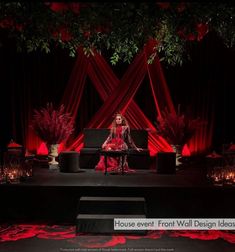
x: 177, y: 129
x: 53, y: 126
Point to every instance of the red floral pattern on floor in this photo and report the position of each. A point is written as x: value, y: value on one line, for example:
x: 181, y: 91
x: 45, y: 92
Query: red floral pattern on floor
x: 55, y: 232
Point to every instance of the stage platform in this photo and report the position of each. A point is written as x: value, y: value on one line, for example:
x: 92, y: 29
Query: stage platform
x: 53, y: 196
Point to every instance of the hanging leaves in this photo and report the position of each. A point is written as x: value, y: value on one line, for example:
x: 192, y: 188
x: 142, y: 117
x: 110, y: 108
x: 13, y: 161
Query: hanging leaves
x: 122, y: 28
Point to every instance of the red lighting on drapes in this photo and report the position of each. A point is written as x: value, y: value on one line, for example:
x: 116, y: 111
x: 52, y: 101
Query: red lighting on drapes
x: 118, y: 95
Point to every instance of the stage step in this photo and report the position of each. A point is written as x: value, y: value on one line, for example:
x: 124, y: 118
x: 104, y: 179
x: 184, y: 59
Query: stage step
x: 97, y: 214
x: 112, y: 205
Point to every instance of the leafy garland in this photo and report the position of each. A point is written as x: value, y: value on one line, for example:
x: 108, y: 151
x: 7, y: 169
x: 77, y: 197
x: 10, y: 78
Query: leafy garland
x: 122, y: 28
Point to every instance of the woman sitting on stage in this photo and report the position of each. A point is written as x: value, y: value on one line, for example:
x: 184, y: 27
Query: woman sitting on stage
x: 118, y: 139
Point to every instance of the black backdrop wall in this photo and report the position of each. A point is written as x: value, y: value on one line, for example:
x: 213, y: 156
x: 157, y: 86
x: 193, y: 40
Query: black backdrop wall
x: 203, y: 85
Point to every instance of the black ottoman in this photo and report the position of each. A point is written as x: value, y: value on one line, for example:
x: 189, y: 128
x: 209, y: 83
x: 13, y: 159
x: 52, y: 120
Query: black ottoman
x: 69, y: 161
x: 165, y: 162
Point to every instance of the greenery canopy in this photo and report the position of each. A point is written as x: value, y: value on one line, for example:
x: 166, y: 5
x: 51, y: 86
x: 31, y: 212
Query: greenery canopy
x: 123, y: 28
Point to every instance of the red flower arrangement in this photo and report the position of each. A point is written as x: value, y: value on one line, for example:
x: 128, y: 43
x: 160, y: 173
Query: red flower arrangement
x: 53, y: 126
x: 176, y: 128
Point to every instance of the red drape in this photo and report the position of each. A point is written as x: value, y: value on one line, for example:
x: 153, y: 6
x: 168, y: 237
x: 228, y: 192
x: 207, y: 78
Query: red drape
x: 157, y: 81
x: 117, y: 100
x: 74, y: 89
x: 71, y: 99
x: 118, y: 95
x: 106, y: 83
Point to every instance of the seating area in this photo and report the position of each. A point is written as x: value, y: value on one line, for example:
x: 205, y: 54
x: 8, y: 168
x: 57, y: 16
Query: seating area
x: 94, y: 138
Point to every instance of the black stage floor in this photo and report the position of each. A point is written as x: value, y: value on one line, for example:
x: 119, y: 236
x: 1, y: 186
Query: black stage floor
x: 53, y: 195
x: 40, y: 214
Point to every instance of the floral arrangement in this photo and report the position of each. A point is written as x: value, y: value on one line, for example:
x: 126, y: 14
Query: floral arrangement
x: 176, y: 128
x: 52, y: 125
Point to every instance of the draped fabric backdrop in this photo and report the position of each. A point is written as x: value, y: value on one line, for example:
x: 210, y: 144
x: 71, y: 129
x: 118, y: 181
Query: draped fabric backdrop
x: 92, y: 91
x: 118, y: 95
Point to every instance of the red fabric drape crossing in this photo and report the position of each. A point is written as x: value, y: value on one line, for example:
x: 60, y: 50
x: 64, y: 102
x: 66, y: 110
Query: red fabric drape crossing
x: 118, y: 95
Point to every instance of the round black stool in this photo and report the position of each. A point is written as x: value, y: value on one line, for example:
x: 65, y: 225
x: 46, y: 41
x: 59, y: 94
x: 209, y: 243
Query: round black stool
x: 69, y: 161
x: 166, y: 162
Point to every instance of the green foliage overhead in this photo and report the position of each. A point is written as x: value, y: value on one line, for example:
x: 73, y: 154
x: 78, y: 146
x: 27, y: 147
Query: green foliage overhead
x: 122, y: 28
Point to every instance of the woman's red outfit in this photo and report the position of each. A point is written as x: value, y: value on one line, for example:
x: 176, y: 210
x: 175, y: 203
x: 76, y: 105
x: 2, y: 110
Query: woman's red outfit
x: 118, y: 140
